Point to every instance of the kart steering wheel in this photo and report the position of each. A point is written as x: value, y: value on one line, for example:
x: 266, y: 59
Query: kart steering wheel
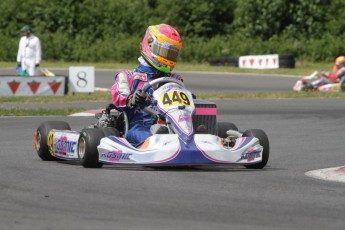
x: 156, y: 82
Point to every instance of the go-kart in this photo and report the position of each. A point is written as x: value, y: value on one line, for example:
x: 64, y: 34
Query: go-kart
x: 318, y: 81
x: 171, y: 105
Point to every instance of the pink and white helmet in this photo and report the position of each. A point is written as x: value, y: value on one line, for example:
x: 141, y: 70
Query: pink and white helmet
x: 161, y: 47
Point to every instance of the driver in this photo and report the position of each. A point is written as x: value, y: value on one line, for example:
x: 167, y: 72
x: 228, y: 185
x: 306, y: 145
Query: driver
x: 160, y: 48
x: 338, y: 61
x: 332, y: 77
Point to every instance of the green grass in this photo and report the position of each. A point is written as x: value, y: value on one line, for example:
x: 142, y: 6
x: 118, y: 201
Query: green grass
x: 39, y: 112
x: 302, y: 67
x: 96, y: 96
x: 104, y: 96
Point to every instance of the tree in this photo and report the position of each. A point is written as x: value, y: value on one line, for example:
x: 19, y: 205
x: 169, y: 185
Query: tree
x: 294, y: 19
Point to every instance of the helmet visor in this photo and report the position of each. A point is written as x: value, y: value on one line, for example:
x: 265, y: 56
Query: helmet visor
x: 169, y: 52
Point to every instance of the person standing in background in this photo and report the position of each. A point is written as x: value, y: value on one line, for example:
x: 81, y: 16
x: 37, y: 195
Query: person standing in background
x: 29, y: 52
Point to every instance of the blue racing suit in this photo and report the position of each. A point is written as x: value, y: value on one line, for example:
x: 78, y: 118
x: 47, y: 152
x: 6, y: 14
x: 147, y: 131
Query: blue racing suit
x: 126, y: 83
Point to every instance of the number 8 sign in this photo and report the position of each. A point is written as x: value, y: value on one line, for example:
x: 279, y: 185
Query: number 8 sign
x: 82, y: 79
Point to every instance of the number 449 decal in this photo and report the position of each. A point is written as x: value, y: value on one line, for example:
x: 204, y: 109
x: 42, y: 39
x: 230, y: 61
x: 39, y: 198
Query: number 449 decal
x: 174, y: 97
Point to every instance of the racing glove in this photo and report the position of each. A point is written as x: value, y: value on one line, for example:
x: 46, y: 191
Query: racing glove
x: 37, y: 65
x: 176, y: 76
x: 19, y: 64
x: 137, y: 98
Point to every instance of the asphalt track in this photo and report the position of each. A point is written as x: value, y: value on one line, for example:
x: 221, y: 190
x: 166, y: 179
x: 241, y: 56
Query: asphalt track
x: 304, y: 134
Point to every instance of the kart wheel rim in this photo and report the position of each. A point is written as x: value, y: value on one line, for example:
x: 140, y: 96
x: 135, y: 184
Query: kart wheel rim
x: 81, y: 148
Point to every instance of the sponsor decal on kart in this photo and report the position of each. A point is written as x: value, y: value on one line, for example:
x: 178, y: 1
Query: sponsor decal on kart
x: 251, y: 155
x: 116, y: 155
x: 183, y: 117
x: 160, y: 149
x: 63, y: 144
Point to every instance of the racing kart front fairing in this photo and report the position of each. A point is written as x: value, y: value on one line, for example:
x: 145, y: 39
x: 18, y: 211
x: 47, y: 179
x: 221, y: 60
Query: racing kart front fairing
x: 169, y: 149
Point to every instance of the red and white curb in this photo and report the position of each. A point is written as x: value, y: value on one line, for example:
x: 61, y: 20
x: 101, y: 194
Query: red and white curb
x: 330, y: 174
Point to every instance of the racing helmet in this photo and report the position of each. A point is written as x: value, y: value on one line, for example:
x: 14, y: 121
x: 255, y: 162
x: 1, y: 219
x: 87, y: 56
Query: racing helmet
x: 161, y: 46
x: 339, y: 62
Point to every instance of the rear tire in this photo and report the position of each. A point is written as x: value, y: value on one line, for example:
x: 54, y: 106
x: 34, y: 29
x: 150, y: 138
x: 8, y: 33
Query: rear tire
x: 41, y: 139
x: 263, y: 139
x: 223, y: 127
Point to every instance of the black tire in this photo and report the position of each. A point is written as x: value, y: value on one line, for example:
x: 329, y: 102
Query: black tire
x: 223, y: 127
x: 215, y: 62
x: 110, y: 132
x: 41, y: 139
x: 224, y: 61
x: 286, y: 61
x: 342, y: 84
x: 230, y: 61
x: 263, y: 139
x: 88, y: 141
x: 287, y: 64
x: 286, y: 57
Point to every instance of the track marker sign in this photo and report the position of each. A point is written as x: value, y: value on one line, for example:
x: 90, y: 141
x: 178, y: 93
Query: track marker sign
x: 82, y: 79
x: 32, y: 86
x: 270, y: 61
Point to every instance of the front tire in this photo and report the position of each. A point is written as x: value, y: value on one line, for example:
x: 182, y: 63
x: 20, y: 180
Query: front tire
x: 223, y: 127
x: 41, y: 138
x: 110, y: 132
x: 263, y: 140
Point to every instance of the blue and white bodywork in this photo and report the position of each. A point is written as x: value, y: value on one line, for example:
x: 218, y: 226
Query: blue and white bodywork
x: 182, y: 146
x: 169, y: 149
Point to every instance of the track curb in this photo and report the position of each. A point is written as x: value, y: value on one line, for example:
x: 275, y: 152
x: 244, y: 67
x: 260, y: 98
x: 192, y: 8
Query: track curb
x: 336, y: 174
